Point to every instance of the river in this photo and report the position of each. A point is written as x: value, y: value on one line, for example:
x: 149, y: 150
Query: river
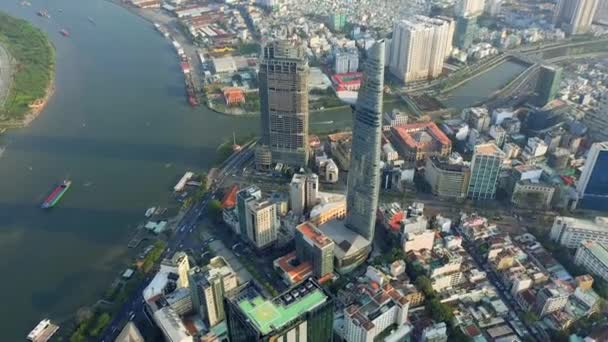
x: 119, y: 127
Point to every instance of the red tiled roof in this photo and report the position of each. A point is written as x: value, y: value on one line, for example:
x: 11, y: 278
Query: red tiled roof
x: 229, y: 200
x: 404, y: 132
x: 297, y: 273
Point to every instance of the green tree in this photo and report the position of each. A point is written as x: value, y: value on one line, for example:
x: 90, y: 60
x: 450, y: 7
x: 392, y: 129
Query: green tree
x: 424, y: 284
x: 215, y: 210
x: 102, y: 321
x: 439, y: 312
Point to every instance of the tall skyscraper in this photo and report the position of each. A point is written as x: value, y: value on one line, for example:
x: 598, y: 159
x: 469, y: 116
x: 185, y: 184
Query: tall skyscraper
x: 283, y: 79
x: 601, y: 16
x: 469, y: 8
x: 303, y: 313
x: 208, y: 286
x: 592, y: 186
x: 576, y: 16
x: 419, y: 48
x: 364, y: 171
x: 243, y: 197
x: 547, y: 85
x: 466, y: 31
x: 485, y: 169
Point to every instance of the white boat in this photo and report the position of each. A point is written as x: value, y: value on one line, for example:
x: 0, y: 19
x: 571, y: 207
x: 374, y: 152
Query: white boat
x: 150, y: 211
x: 43, y: 331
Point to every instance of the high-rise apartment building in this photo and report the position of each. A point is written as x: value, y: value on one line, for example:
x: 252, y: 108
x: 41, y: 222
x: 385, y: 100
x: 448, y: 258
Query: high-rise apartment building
x: 180, y: 265
x: 419, y: 48
x: 363, y: 184
x: 303, y: 192
x: 346, y: 61
x: 576, y: 16
x: 262, y: 223
x: 314, y: 246
x: 283, y: 79
x: 592, y: 186
x: 208, y: 286
x: 243, y: 197
x: 485, y: 169
x: 303, y: 313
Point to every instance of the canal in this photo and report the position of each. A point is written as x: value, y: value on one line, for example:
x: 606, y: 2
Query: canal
x: 484, y: 85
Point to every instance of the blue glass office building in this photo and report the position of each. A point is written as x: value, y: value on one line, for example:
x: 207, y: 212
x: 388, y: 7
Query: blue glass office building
x: 593, y: 183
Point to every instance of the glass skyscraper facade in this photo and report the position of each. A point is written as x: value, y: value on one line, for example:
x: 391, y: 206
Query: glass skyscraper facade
x: 593, y: 184
x: 364, y: 170
x: 485, y: 169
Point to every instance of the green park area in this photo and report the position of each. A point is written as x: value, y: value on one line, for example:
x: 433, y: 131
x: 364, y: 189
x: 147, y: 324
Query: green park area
x: 32, y: 64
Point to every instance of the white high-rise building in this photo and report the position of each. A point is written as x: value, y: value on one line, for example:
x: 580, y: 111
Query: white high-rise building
x: 262, y: 223
x: 208, y: 286
x: 297, y: 193
x: 419, y: 48
x: 303, y: 192
x: 312, y: 190
x: 576, y: 16
x: 469, y: 8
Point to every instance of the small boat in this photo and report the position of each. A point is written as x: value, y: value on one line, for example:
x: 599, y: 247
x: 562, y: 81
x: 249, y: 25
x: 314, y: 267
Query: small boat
x: 91, y: 20
x: 56, y: 195
x: 44, y: 14
x: 65, y: 33
x: 43, y: 331
x: 26, y: 3
x: 150, y: 211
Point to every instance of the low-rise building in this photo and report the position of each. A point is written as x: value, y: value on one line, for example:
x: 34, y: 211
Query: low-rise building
x: 550, y: 299
x: 529, y: 194
x: 435, y: 333
x: 420, y: 140
x: 571, y: 231
x: 417, y: 241
x: 171, y: 325
x: 378, y: 311
x: 447, y: 180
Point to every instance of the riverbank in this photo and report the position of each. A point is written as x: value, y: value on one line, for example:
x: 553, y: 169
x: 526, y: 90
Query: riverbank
x: 32, y: 84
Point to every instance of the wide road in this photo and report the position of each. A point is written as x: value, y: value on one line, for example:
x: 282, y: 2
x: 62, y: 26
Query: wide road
x: 185, y: 232
x: 5, y: 74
